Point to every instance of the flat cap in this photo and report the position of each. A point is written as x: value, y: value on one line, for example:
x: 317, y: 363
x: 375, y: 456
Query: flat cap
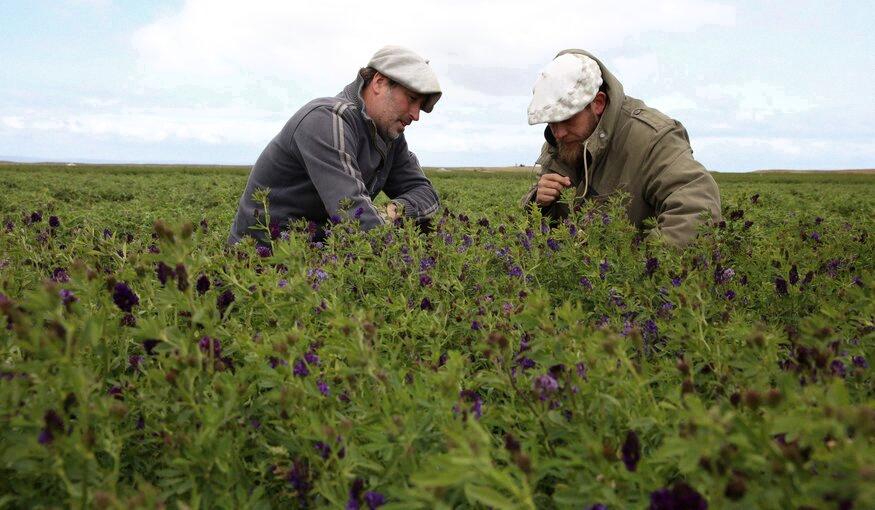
x: 563, y: 88
x: 409, y: 69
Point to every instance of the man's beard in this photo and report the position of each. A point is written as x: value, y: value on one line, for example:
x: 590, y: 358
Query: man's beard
x: 572, y: 154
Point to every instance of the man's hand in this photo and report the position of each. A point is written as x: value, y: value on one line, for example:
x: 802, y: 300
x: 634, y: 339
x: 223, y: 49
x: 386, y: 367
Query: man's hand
x: 550, y: 187
x: 393, y: 212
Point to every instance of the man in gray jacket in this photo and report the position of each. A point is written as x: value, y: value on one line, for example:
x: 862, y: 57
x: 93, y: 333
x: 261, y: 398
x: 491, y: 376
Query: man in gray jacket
x: 346, y: 149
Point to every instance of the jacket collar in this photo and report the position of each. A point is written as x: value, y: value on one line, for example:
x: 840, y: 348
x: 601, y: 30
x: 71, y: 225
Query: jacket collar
x: 352, y: 92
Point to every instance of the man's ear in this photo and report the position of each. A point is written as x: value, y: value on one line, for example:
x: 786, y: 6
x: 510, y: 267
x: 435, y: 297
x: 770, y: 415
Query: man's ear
x: 379, y: 83
x: 599, y: 102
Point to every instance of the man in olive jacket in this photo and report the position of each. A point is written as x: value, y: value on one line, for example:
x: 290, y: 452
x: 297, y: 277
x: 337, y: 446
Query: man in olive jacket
x: 602, y: 141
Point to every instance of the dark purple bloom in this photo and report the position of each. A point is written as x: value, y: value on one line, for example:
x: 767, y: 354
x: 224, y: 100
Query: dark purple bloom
x: 585, y: 283
x: 164, y: 273
x: 224, y: 301
x: 300, y: 369
x: 274, y: 229
x: 581, y: 370
x: 115, y: 391
x: 9, y: 225
x: 857, y: 281
x: 335, y: 219
x: 651, y: 330
x: 425, y: 304
x: 553, y: 244
x: 255, y: 423
x: 475, y: 325
x: 53, y: 423
x: 208, y: 344
x: 67, y: 296
x: 322, y: 449
x: 736, y: 214
x: 747, y: 224
x: 781, y: 286
x: 604, y: 267
x: 651, y: 266
x: 526, y: 363
x: 723, y: 275
x: 860, y: 361
x: 263, y: 251
x: 203, y: 284
x: 545, y: 384
x: 60, y: 275
x: 36, y: 217
x: 475, y: 400
x: 676, y: 281
x: 134, y: 361
x: 374, y: 500
x: 311, y: 358
x: 679, y: 497
x: 124, y: 297
x: 598, y: 506
x: 838, y: 368
x: 424, y: 280
x: 150, y: 344
x: 730, y: 295
x: 794, y: 275
x: 323, y: 387
x: 755, y: 198
x: 815, y: 236
x: 426, y: 263
x: 275, y: 362
x: 154, y: 249
x: 299, y: 478
x: 515, y: 271
x: 54, y: 222
x: 631, y: 451
x: 107, y: 233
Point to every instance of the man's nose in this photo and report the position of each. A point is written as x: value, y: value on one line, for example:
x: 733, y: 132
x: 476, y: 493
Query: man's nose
x: 414, y: 112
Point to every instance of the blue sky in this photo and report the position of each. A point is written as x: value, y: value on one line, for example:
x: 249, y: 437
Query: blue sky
x: 757, y: 84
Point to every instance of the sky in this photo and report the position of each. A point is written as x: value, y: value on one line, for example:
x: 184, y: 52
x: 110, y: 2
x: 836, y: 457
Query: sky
x: 758, y: 85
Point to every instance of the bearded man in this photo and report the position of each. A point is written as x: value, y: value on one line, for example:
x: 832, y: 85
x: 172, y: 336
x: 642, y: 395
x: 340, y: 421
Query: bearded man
x: 601, y: 141
x: 345, y: 150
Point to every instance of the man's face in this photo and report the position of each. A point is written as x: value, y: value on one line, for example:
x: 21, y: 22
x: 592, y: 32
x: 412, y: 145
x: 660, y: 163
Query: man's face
x: 395, y: 108
x: 572, y: 132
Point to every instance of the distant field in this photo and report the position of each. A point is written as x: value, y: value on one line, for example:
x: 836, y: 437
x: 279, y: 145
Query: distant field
x: 495, y: 362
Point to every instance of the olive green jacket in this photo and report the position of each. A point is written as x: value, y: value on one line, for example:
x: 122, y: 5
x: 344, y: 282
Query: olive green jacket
x: 641, y: 151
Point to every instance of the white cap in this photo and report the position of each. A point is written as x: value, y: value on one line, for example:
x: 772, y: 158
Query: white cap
x: 564, y: 87
x: 409, y: 69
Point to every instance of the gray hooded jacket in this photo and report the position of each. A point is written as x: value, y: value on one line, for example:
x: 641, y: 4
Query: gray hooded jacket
x: 329, y: 151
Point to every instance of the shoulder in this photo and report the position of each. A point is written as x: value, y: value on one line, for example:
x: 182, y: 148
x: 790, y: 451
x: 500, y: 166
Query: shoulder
x: 324, y: 111
x: 645, y: 117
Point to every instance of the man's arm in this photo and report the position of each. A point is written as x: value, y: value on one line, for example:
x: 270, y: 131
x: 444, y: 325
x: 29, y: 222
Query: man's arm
x: 408, y: 186
x: 679, y: 187
x: 544, y: 193
x: 327, y: 144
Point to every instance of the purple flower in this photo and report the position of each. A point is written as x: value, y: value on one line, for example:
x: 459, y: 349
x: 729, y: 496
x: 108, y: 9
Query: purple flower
x: 115, y: 391
x: 374, y: 500
x: 838, y: 368
x: 424, y: 280
x: 206, y: 344
x: 815, y: 236
x: 755, y: 198
x: 107, y: 233
x: 322, y: 449
x: 323, y: 388
x: 53, y: 423
x: 150, y: 344
x: 598, y: 506
x: 134, y: 361
x: 164, y: 272
x: 581, y: 370
x: 335, y: 219
x: 426, y: 263
x: 781, y: 286
x: 263, y: 251
x: 860, y: 361
x: 794, y: 275
x: 475, y: 325
x: 36, y: 217
x: 651, y: 330
x: 300, y: 369
x: 651, y: 266
x: 60, y: 275
x: 585, y: 283
x: 283, y: 283
x: 730, y: 295
x: 525, y: 363
x: 604, y: 267
x: 224, y: 301
x: 631, y: 451
x: 9, y: 225
x: 425, y: 304
x: 553, y: 244
x: 723, y: 275
x: 475, y: 400
x: 54, y: 222
x: 311, y: 358
x: 124, y: 297
x: 203, y: 284
x: 67, y: 296
x: 515, y: 271
x: 679, y: 497
x: 544, y: 385
x: 358, y: 212
x: 275, y: 362
x: 857, y: 281
x: 676, y: 281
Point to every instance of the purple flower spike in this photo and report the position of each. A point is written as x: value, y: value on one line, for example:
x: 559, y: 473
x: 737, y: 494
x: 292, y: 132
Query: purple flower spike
x: 322, y: 449
x: 781, y: 286
x: 54, y: 222
x: 311, y: 358
x: 553, y: 244
x: 164, y: 273
x: 860, y: 361
x: 515, y: 271
x: 203, y: 284
x: 545, y: 384
x: 631, y: 451
x: 124, y: 297
x: 424, y: 280
x: 681, y: 496
x: 224, y: 301
x: 838, y: 368
x: 300, y: 369
x: 67, y: 296
x: 323, y: 388
x: 374, y: 499
x: 651, y: 266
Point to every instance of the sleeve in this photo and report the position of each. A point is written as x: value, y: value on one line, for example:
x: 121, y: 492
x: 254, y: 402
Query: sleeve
x: 408, y: 186
x: 327, y: 142
x: 679, y: 188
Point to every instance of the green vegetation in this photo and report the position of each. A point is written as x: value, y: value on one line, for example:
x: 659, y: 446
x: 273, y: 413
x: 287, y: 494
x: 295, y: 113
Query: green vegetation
x: 493, y: 362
